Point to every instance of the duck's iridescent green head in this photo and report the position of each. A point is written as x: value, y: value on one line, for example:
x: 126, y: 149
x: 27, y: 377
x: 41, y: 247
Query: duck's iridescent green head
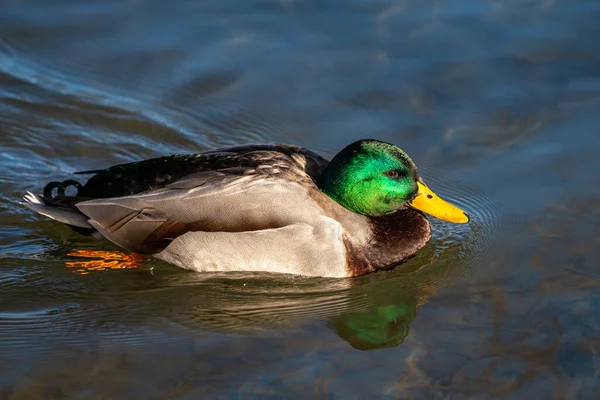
x: 376, y: 178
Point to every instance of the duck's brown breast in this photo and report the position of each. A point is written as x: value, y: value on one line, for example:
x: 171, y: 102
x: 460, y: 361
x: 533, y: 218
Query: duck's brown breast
x: 395, y: 238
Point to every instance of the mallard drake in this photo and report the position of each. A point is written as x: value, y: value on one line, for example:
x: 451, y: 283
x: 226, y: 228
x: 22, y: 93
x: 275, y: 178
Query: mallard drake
x: 274, y: 208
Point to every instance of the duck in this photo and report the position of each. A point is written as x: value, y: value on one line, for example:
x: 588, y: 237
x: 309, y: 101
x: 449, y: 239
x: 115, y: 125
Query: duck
x: 277, y: 208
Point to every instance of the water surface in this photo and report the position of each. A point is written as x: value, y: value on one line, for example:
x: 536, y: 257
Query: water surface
x: 498, y: 103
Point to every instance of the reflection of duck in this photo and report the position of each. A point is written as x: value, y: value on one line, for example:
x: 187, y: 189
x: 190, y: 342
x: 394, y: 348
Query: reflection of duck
x: 393, y: 305
x: 275, y: 208
x: 379, y: 327
x: 370, y: 312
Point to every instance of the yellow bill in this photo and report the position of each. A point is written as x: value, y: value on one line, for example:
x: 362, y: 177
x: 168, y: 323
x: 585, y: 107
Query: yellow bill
x: 430, y: 203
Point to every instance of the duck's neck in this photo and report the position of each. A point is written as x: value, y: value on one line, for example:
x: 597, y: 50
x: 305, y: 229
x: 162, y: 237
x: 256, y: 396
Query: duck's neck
x: 334, y: 182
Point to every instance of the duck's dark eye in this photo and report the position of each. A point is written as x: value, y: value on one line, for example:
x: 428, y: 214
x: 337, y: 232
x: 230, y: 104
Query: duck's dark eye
x: 392, y: 173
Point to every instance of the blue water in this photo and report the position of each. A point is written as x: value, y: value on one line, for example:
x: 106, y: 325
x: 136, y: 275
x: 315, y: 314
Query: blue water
x: 497, y: 102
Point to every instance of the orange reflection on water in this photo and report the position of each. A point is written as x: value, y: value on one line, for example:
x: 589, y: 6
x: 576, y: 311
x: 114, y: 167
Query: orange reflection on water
x: 105, y: 260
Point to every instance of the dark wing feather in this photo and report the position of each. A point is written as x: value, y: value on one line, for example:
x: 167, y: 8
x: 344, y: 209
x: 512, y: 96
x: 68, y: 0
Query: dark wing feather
x: 141, y: 176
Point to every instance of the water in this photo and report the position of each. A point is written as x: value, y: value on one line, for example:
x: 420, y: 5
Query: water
x: 498, y: 103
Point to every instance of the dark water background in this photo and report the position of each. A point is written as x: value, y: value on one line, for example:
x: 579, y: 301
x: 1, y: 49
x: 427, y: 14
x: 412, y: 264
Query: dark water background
x: 498, y: 103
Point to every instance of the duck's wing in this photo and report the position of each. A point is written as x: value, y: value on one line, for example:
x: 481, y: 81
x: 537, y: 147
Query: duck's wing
x: 250, y: 188
x: 136, y: 177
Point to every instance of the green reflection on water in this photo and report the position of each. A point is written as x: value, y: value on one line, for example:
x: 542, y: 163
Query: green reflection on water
x: 379, y: 327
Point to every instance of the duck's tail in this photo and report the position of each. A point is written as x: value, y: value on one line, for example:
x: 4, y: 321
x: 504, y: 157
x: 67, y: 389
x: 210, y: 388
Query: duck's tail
x: 58, y: 209
x: 63, y: 209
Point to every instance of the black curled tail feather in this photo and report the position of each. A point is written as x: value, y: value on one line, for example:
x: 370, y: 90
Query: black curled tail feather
x: 61, y: 187
x: 60, y: 207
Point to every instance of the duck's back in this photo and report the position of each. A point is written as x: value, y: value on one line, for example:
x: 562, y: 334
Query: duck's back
x: 136, y: 177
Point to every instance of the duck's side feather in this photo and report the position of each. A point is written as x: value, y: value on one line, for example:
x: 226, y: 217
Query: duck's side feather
x: 232, y: 222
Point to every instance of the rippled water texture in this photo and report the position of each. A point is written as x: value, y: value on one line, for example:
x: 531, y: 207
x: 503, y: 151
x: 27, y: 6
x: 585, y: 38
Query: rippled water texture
x: 498, y: 103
